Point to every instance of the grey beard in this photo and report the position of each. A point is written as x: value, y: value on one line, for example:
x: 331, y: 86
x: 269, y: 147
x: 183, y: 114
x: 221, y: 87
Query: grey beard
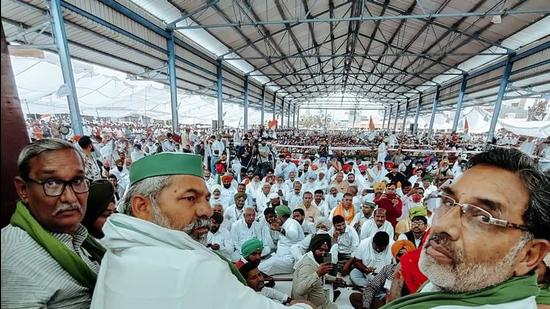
x: 467, y: 276
x: 160, y: 219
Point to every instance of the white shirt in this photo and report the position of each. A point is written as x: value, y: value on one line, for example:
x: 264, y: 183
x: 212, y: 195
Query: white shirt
x: 232, y: 214
x: 370, y: 258
x: 323, y: 207
x: 217, y: 148
x: 348, y: 241
x: 178, y: 271
x: 370, y: 228
x: 222, y: 238
x: 293, y: 234
x: 240, y: 233
x: 294, y: 200
x: 308, y: 227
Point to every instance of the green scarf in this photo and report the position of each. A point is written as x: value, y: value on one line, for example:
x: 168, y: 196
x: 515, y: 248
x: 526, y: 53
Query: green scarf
x: 233, y: 268
x: 544, y: 295
x: 514, y: 289
x: 68, y: 259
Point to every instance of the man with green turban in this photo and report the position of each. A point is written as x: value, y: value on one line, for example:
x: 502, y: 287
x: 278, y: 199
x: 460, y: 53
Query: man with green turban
x: 291, y: 233
x: 251, y: 252
x: 153, y: 258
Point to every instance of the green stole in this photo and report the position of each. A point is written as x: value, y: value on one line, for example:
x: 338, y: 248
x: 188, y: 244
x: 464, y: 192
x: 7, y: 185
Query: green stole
x: 544, y: 295
x: 516, y: 288
x: 67, y: 259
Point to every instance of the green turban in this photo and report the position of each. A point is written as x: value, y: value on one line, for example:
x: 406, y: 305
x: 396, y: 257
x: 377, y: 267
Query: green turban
x: 419, y: 210
x: 166, y: 164
x: 282, y: 210
x: 250, y: 246
x: 238, y: 195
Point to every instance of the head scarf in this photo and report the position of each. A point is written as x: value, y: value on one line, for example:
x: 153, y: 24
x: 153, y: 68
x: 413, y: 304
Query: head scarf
x: 250, y: 246
x: 318, y: 240
x: 100, y: 195
x: 216, y: 187
x: 401, y: 244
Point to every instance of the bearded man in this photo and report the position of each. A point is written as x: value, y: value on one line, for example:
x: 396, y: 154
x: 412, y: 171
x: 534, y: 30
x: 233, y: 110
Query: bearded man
x: 489, y: 233
x: 152, y: 260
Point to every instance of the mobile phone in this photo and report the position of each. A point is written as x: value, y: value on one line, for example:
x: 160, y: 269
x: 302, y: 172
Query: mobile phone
x: 327, y: 258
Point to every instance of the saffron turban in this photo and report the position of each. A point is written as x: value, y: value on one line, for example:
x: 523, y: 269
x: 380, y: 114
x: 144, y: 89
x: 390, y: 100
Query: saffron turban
x: 401, y: 244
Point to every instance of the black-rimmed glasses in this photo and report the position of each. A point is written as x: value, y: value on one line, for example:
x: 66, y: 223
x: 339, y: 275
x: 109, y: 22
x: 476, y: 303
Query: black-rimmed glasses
x: 56, y: 187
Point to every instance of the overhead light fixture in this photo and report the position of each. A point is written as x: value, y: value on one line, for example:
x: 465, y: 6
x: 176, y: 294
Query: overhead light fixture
x: 497, y: 19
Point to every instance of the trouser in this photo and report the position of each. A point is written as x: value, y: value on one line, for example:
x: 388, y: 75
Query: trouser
x: 359, y: 278
x: 213, y: 160
x: 277, y: 264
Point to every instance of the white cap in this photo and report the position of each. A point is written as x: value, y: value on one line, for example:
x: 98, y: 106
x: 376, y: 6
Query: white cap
x: 273, y: 195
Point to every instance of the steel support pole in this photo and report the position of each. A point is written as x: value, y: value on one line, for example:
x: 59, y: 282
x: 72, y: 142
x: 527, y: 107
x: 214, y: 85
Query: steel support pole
x: 417, y: 114
x: 219, y: 84
x: 500, y: 97
x: 274, y: 104
x: 459, y: 101
x: 396, y: 117
x: 384, y: 119
x: 262, y: 111
x: 389, y: 117
x: 434, y: 110
x: 288, y: 116
x: 245, y: 117
x: 173, y: 86
x: 294, y: 117
x: 66, y: 66
x: 298, y: 118
x: 404, y: 129
x: 283, y: 113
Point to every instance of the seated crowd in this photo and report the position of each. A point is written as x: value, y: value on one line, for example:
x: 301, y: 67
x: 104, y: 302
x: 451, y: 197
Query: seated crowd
x: 169, y: 229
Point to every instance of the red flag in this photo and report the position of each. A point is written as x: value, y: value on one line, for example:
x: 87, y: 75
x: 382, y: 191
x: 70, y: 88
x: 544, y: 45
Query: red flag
x: 371, y: 123
x: 466, y: 127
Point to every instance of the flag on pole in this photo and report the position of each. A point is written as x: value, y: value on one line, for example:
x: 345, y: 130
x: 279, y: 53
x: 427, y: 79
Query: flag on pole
x: 371, y: 123
x: 466, y: 127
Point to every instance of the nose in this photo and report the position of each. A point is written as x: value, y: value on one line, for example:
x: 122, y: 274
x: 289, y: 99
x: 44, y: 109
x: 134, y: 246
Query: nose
x: 449, y: 222
x: 204, y: 209
x: 68, y: 195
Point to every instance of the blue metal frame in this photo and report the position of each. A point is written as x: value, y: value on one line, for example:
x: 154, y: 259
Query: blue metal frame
x: 66, y: 66
x: 245, y: 117
x: 173, y: 85
x: 417, y: 114
x: 389, y: 117
x: 459, y: 101
x: 500, y: 97
x: 219, y: 92
x: 262, y: 111
x: 434, y: 110
x: 404, y: 129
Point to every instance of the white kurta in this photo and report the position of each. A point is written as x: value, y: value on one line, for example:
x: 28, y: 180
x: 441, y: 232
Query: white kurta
x: 222, y: 237
x: 370, y: 228
x: 283, y: 261
x: 240, y: 233
x: 231, y: 215
x: 147, y: 266
x: 347, y: 242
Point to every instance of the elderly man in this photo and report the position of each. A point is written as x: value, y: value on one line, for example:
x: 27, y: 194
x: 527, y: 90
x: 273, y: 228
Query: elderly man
x: 48, y: 257
x: 345, y: 209
x: 370, y: 257
x: 376, y: 224
x: 247, y: 228
x: 311, y: 271
x: 339, y: 183
x: 152, y: 259
x: 333, y: 199
x: 218, y: 238
x: 499, y: 202
x: 290, y: 233
x: 234, y: 212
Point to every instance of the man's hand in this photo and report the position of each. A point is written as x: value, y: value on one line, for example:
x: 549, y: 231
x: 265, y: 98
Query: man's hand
x: 324, y: 269
x: 276, y: 226
x: 370, y: 269
x: 339, y: 282
x: 395, y: 202
x: 215, y: 247
x: 336, y: 235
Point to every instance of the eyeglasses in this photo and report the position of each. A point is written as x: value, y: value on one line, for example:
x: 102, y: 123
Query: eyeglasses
x: 419, y: 223
x: 473, y: 213
x: 56, y: 187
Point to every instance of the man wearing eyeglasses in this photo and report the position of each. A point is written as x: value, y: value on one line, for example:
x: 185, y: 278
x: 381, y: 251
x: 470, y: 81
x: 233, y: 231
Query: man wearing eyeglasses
x: 489, y: 233
x: 419, y: 224
x: 48, y: 258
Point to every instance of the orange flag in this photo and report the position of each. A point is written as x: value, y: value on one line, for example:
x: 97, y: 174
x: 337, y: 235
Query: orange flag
x: 371, y: 124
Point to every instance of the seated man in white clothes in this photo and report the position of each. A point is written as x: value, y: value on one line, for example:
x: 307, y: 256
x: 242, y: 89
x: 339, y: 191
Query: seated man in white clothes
x: 344, y: 238
x: 234, y: 212
x: 307, y: 226
x: 376, y: 224
x: 320, y: 203
x: 291, y: 233
x: 247, y: 228
x: 151, y: 260
x: 294, y: 197
x: 333, y: 198
x: 218, y: 238
x: 370, y: 257
x: 256, y: 281
x: 311, y: 212
x: 365, y: 214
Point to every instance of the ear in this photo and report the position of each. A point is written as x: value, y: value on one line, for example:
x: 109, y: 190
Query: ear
x: 141, y: 207
x: 533, y: 252
x: 22, y: 189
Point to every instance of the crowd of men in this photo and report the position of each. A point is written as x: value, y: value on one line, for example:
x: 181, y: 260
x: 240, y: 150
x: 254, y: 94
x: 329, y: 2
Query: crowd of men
x: 236, y: 210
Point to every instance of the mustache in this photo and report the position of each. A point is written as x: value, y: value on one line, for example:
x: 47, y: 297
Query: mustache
x: 202, y: 222
x: 65, y: 207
